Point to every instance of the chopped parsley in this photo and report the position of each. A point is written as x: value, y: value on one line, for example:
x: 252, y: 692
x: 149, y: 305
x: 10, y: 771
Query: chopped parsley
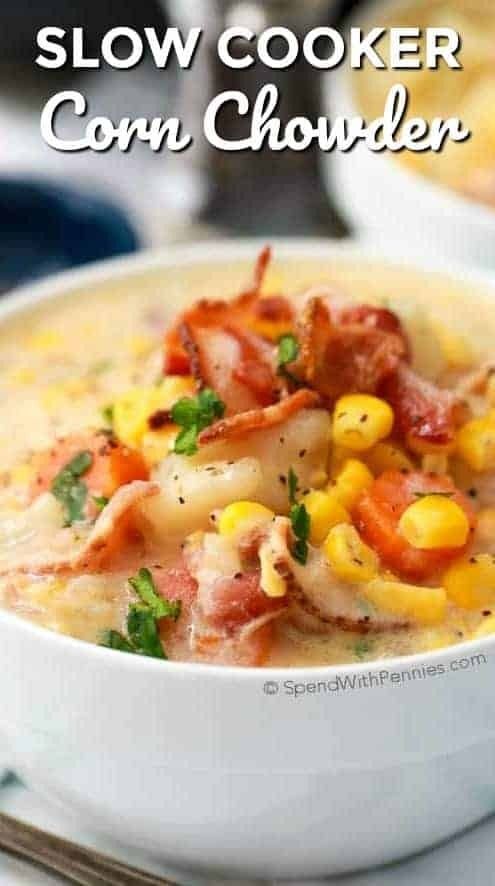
x: 107, y: 415
x: 193, y: 414
x: 70, y: 490
x: 100, y: 501
x: 300, y: 521
x: 288, y: 351
x: 142, y: 628
x: 100, y: 366
x: 362, y: 648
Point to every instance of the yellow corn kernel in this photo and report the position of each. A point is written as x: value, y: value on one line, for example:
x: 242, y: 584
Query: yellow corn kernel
x: 426, y: 605
x: 23, y: 375
x: 140, y: 345
x: 156, y: 445
x: 434, y: 521
x: 353, y: 478
x: 130, y: 414
x: 454, y: 348
x: 486, y: 627
x: 476, y: 443
x: 325, y: 510
x: 271, y: 582
x: 470, y: 582
x: 241, y: 516
x: 132, y: 409
x: 45, y: 340
x: 22, y: 475
x: 350, y: 558
x: 172, y: 388
x: 386, y: 456
x: 360, y: 421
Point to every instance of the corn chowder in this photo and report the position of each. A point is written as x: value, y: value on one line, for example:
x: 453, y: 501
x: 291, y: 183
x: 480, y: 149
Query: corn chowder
x: 302, y: 474
x: 467, y: 93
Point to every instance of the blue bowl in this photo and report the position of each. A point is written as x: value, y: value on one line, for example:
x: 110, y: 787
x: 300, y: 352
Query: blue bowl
x: 45, y: 228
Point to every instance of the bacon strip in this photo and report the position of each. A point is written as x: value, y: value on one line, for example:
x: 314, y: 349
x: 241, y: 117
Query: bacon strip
x: 341, y: 357
x: 425, y: 415
x: 92, y: 548
x: 257, y: 419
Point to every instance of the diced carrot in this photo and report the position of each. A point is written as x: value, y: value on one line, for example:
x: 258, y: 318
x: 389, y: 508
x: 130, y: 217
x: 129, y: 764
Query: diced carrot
x: 379, y: 509
x: 113, y: 464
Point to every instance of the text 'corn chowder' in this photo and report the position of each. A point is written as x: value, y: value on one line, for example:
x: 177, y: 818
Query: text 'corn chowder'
x: 294, y: 476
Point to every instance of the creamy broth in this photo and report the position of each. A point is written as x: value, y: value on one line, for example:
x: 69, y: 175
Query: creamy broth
x: 66, y: 359
x: 466, y: 93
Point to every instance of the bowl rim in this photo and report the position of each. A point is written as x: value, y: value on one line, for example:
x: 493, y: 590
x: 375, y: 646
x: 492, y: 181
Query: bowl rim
x: 218, y: 251
x: 339, y: 95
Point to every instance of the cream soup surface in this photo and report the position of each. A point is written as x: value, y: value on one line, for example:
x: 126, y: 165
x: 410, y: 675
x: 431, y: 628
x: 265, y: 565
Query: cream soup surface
x: 65, y: 359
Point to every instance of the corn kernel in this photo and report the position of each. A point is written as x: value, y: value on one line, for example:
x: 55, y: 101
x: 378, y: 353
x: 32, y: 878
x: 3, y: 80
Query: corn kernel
x: 426, y: 605
x: 360, y: 421
x: 486, y: 627
x: 353, y: 478
x: 386, y: 456
x: 241, y: 516
x: 350, y: 558
x: 325, y: 511
x: 22, y: 475
x: 454, y: 348
x: 140, y: 345
x: 271, y: 582
x: 45, y: 340
x: 434, y: 521
x: 132, y: 409
x: 470, y: 582
x: 23, y: 375
x: 476, y: 443
x: 156, y: 445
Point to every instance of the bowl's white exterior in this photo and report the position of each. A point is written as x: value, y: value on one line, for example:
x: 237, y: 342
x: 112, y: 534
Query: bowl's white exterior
x: 210, y: 768
x: 386, y: 202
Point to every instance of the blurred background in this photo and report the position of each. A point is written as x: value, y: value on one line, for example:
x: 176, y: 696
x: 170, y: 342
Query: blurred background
x: 117, y: 201
x: 63, y: 209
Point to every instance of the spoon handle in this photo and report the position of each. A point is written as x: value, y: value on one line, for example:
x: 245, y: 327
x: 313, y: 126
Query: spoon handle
x: 73, y: 863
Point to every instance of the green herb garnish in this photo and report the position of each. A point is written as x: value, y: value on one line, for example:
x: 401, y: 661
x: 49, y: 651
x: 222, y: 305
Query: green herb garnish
x: 144, y: 586
x: 142, y: 628
x: 100, y: 366
x: 193, y: 414
x: 100, y: 501
x: 107, y: 415
x: 69, y: 489
x: 362, y: 648
x: 288, y: 351
x: 300, y: 521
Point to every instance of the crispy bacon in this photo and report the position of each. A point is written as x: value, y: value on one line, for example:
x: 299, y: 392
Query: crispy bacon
x: 257, y: 419
x: 425, y: 415
x: 337, y: 358
x: 211, y: 313
x: 92, y: 548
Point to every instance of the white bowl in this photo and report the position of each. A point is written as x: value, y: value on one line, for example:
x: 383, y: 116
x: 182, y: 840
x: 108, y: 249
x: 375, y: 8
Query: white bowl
x: 388, y: 203
x: 228, y: 769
